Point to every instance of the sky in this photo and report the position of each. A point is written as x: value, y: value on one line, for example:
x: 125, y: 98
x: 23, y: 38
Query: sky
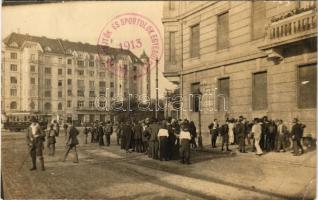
x: 79, y: 22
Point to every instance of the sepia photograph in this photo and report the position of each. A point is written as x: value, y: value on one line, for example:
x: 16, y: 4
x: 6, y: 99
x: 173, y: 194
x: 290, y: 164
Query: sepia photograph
x: 159, y: 100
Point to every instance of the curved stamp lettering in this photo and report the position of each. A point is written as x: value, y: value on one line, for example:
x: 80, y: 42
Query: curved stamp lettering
x: 129, y: 34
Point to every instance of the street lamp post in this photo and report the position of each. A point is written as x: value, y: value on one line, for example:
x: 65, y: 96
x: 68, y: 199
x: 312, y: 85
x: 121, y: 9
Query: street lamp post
x: 199, y: 112
x: 157, y: 95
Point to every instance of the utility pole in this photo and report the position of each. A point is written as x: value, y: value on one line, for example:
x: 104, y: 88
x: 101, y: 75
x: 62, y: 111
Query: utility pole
x: 200, y: 133
x: 157, y: 96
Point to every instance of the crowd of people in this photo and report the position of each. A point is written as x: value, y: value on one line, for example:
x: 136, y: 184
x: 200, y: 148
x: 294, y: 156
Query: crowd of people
x: 170, y: 139
x: 163, y: 140
x: 262, y: 134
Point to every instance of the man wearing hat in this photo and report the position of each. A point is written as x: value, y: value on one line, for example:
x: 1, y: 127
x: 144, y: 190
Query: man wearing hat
x: 241, y: 134
x: 35, y: 138
x: 297, y: 134
x: 185, y: 138
x: 100, y: 132
x: 137, y: 129
x: 108, y: 132
x: 153, y: 142
x: 71, y: 141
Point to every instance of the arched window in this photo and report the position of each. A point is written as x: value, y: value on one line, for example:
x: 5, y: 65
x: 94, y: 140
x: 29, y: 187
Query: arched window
x: 60, y: 106
x: 47, y: 106
x: 13, y: 105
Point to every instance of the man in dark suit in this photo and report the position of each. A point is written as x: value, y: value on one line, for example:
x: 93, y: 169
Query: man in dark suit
x: 297, y: 134
x: 127, y: 136
x: 100, y: 132
x: 241, y: 134
x: 71, y: 141
x: 214, y: 131
x: 145, y: 136
x: 35, y: 138
x: 154, y: 143
x: 224, y: 130
x: 137, y: 129
x: 108, y: 132
x: 265, y: 134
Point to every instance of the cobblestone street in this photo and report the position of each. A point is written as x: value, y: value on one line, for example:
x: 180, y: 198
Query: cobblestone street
x: 109, y: 173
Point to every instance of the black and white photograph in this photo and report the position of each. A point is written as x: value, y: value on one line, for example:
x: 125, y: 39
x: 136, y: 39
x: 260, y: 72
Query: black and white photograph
x: 159, y: 100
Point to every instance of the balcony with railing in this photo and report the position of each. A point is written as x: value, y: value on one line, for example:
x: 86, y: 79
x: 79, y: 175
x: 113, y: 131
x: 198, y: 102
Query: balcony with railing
x: 291, y: 27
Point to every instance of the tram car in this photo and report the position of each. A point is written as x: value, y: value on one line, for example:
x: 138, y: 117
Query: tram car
x: 20, y: 121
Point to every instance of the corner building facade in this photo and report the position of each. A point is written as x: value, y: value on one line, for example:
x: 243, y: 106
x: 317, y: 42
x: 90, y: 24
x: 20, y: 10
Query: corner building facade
x: 256, y: 58
x: 62, y: 78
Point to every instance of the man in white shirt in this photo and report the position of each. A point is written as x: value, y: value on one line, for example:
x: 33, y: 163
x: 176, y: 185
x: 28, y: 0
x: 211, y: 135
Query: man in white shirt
x: 163, y: 141
x: 35, y: 138
x: 185, y: 138
x: 257, y: 131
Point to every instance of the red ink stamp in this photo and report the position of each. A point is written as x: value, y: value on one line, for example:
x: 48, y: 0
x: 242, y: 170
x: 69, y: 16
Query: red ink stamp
x: 129, y: 33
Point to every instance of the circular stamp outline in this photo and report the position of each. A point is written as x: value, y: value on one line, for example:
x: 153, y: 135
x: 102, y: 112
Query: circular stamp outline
x: 102, y: 52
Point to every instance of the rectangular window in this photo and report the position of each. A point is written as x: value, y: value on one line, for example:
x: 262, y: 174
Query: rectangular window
x: 60, y: 83
x: 91, y: 73
x: 69, y: 104
x: 69, y: 71
x: 80, y: 83
x: 91, y: 84
x: 81, y: 72
x: 48, y: 82
x: 69, y: 61
x: 13, y: 80
x: 80, y: 93
x: 80, y: 63
x: 195, y: 41
x: 13, y: 68
x: 307, y: 86
x: 47, y: 93
x: 91, y: 93
x: 195, y: 97
x: 13, y: 55
x: 259, y: 95
x: 60, y: 71
x: 223, y: 31
x: 91, y: 104
x: 223, y: 94
x: 172, y: 47
x: 111, y: 84
x: 80, y: 104
x: 91, y: 63
x: 32, y: 81
x: 102, y: 74
x: 102, y: 84
x: 102, y: 104
x: 47, y: 70
x: 102, y: 93
x: 32, y: 57
x: 13, y: 92
x: 60, y: 94
x: 111, y: 94
x: 60, y: 60
x: 258, y: 19
x: 69, y: 81
x: 32, y: 68
x: 69, y: 93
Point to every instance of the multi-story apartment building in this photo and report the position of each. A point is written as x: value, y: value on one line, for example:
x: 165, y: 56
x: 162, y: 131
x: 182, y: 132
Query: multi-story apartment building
x: 256, y: 58
x: 62, y: 78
